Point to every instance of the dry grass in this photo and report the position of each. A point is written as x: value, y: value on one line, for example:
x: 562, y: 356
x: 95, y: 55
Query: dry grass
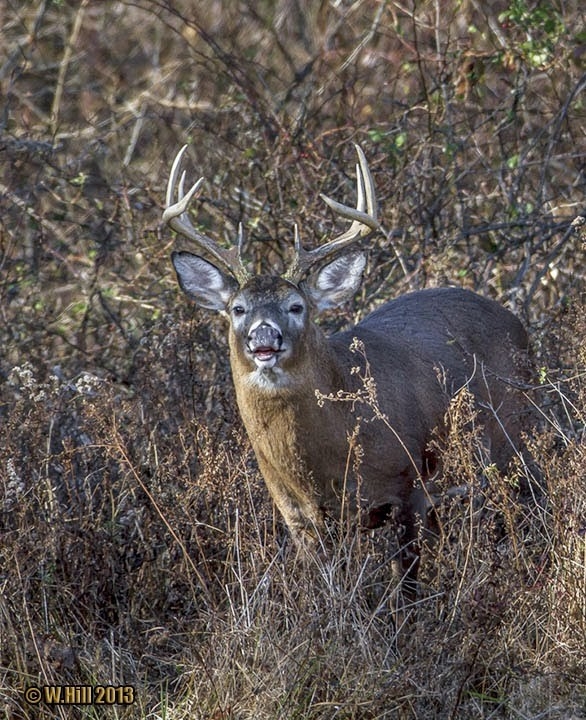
x: 138, y: 545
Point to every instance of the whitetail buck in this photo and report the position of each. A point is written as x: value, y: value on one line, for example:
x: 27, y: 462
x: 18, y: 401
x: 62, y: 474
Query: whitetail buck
x: 421, y: 348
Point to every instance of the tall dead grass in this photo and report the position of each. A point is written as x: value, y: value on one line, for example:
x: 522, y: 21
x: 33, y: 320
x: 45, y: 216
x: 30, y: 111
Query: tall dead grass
x: 161, y: 565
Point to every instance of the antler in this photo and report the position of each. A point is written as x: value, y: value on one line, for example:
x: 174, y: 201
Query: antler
x: 363, y: 217
x: 175, y: 215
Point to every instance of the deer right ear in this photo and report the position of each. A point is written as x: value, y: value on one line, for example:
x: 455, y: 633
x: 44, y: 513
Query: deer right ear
x: 202, y: 281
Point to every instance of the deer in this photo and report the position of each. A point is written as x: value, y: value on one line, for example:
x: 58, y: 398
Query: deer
x: 421, y: 348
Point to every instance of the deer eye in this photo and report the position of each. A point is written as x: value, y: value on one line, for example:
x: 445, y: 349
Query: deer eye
x: 238, y: 310
x: 296, y: 309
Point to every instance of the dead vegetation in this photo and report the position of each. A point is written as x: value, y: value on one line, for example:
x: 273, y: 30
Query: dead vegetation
x: 138, y: 546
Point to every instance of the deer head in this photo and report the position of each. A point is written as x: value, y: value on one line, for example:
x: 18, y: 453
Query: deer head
x: 270, y: 316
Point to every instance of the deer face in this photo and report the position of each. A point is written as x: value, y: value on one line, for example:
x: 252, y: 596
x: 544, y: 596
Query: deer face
x: 271, y: 326
x: 272, y: 337
x: 268, y: 319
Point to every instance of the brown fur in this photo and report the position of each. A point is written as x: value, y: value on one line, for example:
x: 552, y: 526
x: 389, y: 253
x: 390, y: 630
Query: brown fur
x: 421, y: 348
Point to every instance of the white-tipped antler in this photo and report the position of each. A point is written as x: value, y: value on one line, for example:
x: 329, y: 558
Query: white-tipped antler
x: 364, y: 221
x: 175, y: 215
x: 363, y: 217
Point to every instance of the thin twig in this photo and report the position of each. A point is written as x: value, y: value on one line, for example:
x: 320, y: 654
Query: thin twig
x: 65, y: 65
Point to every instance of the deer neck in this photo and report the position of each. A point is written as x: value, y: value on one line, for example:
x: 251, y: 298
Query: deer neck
x: 288, y: 429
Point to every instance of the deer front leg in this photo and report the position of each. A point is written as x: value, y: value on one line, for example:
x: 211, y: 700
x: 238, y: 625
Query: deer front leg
x: 296, y: 501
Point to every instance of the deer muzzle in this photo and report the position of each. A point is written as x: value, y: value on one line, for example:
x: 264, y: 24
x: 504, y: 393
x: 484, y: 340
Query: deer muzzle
x: 264, y: 343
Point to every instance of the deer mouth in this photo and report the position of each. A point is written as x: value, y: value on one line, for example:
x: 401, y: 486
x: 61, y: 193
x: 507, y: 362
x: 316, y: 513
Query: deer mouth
x: 265, y: 356
x: 264, y: 353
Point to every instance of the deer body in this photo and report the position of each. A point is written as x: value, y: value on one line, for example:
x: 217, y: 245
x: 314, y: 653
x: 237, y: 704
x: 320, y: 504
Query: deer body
x: 420, y: 348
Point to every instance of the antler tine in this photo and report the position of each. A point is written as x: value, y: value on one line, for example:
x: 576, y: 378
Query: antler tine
x: 363, y: 216
x: 175, y: 215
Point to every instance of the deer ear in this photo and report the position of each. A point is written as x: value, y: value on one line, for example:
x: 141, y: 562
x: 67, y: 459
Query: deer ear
x: 202, y: 281
x: 337, y: 281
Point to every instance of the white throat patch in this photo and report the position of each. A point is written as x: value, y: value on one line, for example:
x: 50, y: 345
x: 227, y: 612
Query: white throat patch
x: 268, y: 377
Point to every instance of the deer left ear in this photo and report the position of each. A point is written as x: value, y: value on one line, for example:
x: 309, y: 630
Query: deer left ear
x: 337, y: 281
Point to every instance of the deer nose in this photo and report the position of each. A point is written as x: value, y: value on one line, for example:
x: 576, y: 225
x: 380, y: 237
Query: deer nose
x: 264, y: 337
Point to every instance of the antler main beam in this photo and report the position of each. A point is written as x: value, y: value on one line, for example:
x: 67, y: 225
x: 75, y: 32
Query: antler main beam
x: 364, y: 221
x: 176, y: 216
x: 363, y: 217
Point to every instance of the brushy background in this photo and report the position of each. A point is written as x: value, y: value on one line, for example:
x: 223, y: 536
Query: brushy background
x: 137, y: 542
